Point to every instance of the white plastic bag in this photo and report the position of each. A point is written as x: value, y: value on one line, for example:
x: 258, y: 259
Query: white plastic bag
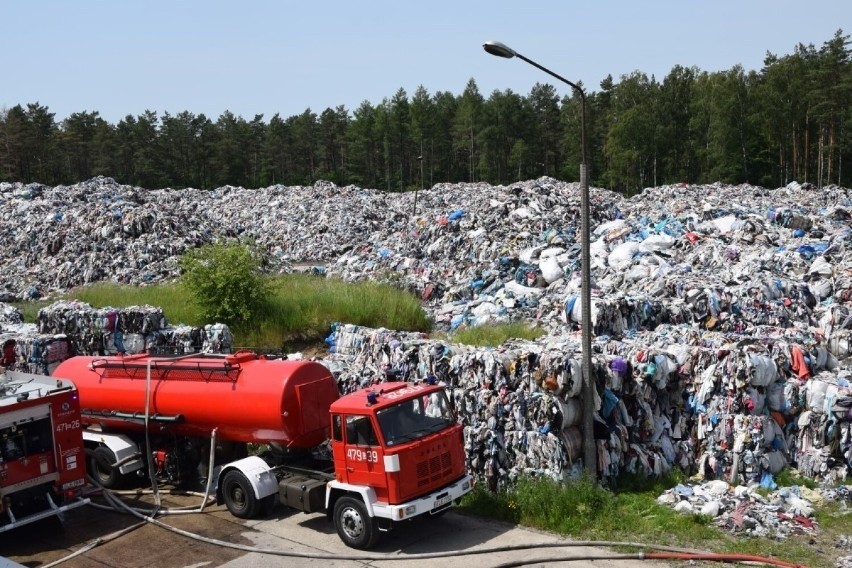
x: 550, y: 269
x: 622, y: 255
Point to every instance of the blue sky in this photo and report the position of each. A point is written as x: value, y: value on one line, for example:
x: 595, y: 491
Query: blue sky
x: 266, y: 57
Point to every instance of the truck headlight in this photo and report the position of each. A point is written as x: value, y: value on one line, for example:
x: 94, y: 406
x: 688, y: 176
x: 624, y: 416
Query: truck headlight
x: 408, y: 511
x: 466, y: 485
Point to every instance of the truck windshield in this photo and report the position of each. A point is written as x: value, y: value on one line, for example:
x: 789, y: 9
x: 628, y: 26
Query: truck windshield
x: 415, y: 418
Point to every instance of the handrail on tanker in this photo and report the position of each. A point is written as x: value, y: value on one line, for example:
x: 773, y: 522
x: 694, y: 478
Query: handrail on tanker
x: 205, y: 366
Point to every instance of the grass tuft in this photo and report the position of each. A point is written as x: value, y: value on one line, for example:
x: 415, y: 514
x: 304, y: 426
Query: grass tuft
x: 494, y: 335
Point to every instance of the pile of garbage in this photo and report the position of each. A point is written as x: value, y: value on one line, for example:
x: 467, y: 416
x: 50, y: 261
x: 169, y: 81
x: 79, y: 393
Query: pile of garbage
x: 56, y: 238
x: 722, y: 315
x: 711, y: 404
x: 774, y: 513
x: 27, y: 350
x: 67, y: 328
x: 725, y: 257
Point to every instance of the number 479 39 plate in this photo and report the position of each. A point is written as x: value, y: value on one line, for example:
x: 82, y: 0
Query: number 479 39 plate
x: 441, y: 501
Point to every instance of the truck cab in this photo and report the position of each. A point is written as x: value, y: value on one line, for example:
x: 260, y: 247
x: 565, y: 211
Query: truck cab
x: 398, y: 453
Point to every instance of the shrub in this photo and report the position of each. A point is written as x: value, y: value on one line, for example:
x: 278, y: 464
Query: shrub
x: 225, y: 281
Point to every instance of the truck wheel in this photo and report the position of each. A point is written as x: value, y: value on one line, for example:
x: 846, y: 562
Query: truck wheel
x: 239, y: 495
x: 354, y: 526
x: 100, y: 467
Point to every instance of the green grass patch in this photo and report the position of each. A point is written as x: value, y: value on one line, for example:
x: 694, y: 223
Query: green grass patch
x: 789, y: 477
x: 303, y: 302
x: 303, y: 307
x: 300, y: 307
x: 493, y: 335
x: 175, y: 301
x: 172, y: 298
x: 30, y: 309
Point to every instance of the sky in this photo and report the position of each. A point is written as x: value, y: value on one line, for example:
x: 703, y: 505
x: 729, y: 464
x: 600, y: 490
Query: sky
x: 251, y: 57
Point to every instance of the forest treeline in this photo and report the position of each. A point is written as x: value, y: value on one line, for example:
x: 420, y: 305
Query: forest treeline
x: 789, y: 121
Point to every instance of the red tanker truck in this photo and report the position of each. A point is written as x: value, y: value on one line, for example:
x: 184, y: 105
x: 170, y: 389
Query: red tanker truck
x: 396, y: 449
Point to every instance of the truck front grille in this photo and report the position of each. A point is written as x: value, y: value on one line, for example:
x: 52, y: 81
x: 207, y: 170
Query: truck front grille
x: 434, y: 469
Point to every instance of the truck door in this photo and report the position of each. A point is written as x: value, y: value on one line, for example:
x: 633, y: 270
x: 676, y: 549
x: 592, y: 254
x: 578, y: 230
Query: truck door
x: 364, y: 455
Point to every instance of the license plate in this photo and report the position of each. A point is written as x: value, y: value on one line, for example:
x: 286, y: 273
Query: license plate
x: 76, y: 483
x: 441, y: 501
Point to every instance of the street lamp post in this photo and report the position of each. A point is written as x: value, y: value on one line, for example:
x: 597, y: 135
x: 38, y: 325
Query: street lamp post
x: 589, y: 448
x: 419, y: 159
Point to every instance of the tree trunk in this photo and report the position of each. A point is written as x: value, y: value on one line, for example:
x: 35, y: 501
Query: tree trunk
x: 830, y: 152
x: 795, y: 156
x: 807, y: 141
x: 470, y: 158
x: 819, y: 157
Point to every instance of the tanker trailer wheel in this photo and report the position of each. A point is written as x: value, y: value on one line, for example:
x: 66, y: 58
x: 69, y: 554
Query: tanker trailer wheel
x: 354, y: 526
x: 100, y: 467
x: 239, y: 495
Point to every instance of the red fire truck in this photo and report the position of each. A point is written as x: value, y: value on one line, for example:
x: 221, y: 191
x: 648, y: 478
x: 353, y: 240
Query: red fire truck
x: 42, y: 465
x: 396, y: 449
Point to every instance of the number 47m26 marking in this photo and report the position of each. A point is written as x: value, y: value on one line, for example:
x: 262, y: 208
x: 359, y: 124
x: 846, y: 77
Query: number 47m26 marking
x: 64, y: 426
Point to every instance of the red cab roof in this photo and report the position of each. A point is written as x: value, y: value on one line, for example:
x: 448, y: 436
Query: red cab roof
x: 387, y: 394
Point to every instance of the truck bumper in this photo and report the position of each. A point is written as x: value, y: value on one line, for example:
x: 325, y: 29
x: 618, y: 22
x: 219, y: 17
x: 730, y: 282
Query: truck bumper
x: 53, y: 510
x: 432, y: 503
